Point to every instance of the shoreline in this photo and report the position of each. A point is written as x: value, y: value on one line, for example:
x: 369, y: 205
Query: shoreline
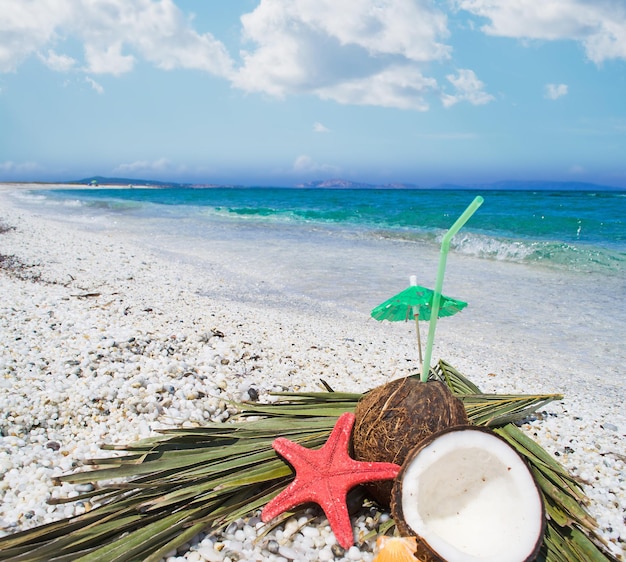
x: 80, y: 369
x: 8, y: 186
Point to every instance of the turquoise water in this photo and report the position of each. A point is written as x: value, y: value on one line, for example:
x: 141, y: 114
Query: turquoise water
x: 578, y: 231
x: 543, y: 272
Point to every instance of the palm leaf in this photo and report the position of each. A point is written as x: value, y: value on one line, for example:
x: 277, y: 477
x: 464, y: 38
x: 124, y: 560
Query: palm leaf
x: 167, y: 489
x: 571, y: 533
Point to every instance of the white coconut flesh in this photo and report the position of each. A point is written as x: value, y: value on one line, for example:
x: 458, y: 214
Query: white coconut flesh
x: 470, y: 496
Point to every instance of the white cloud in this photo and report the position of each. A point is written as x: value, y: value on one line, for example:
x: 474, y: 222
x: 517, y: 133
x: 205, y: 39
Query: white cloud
x: 402, y: 87
x: 306, y: 165
x: 555, y: 91
x: 353, y: 51
x: 14, y: 167
x: 319, y: 128
x: 143, y: 166
x: 26, y: 27
x: 108, y: 59
x: 600, y: 25
x: 97, y: 87
x: 114, y: 33
x: 56, y: 62
x: 359, y: 52
x: 468, y: 88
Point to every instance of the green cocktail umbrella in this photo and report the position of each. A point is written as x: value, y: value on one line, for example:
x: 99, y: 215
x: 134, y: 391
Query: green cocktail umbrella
x: 415, y: 302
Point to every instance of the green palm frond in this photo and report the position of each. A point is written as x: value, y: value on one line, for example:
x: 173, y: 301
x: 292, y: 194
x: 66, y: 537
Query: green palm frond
x: 166, y: 489
x: 571, y: 533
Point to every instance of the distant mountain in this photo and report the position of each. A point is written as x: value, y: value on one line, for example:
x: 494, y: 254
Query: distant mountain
x: 101, y: 180
x: 513, y: 185
x: 516, y: 185
x: 337, y: 183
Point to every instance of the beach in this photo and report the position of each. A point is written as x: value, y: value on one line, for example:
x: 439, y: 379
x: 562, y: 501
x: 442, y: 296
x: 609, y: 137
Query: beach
x: 110, y: 330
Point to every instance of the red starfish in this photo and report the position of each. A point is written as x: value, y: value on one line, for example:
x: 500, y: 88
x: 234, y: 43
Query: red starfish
x: 324, y: 476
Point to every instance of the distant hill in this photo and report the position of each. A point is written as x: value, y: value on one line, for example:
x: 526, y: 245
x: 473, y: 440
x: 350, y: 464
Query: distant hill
x: 338, y: 183
x: 347, y: 184
x: 324, y: 184
x: 137, y: 182
x: 101, y: 180
x: 494, y: 186
x: 517, y: 185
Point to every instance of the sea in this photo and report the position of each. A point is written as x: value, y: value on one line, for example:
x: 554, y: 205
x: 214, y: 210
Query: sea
x: 542, y: 270
x: 567, y: 230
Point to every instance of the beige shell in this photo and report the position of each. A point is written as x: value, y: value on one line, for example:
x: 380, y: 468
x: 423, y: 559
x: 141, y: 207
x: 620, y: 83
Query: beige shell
x: 396, y: 549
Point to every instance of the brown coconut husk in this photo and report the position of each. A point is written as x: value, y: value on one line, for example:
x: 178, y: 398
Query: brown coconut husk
x: 395, y: 417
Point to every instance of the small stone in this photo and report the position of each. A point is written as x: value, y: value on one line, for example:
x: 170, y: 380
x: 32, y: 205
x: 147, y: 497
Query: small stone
x: 210, y: 555
x: 254, y: 520
x: 54, y: 445
x: 288, y: 553
x: 310, y: 531
x: 272, y: 547
x: 232, y: 528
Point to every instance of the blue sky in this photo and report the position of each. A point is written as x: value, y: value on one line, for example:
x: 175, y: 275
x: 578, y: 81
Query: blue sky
x: 277, y: 92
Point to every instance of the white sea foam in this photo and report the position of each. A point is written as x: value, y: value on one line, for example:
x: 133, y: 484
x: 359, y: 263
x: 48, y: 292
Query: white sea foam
x: 559, y: 255
x: 488, y: 247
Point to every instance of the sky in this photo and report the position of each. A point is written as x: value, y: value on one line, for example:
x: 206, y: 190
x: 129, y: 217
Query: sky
x: 280, y: 92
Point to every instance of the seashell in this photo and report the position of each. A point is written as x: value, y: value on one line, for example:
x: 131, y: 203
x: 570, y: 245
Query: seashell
x: 396, y: 549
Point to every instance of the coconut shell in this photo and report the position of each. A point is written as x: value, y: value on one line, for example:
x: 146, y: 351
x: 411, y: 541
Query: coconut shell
x: 395, y: 417
x: 424, y: 551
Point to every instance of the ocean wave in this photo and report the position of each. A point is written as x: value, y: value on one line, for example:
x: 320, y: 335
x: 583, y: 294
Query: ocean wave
x: 324, y: 216
x: 568, y: 234
x: 561, y: 255
x: 575, y: 256
x: 60, y: 199
x: 492, y: 248
x: 45, y: 198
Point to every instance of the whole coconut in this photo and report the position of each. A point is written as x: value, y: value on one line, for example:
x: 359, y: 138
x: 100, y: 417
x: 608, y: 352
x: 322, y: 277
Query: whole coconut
x: 395, y: 417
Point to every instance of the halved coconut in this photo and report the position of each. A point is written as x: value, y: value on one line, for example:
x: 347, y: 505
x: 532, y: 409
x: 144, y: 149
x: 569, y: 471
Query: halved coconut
x: 468, y: 496
x: 393, y: 418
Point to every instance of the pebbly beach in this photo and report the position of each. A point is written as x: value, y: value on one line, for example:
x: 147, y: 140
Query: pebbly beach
x: 112, y: 328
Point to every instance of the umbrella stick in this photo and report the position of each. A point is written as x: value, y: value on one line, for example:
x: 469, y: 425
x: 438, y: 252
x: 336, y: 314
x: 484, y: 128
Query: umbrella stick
x: 445, y: 247
x: 416, y: 314
x: 419, y: 339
